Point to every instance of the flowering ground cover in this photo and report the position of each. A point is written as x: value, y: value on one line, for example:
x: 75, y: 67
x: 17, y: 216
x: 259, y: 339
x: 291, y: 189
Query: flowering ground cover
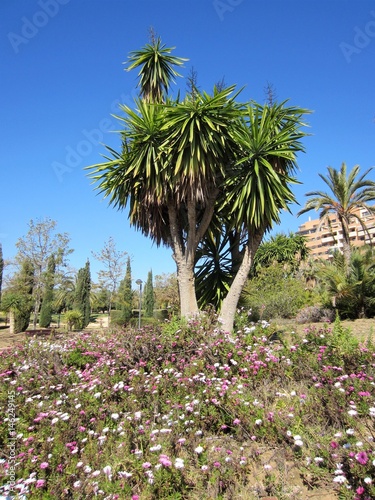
x: 185, y: 410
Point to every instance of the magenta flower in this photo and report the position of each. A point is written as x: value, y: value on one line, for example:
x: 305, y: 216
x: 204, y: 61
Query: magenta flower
x: 362, y: 457
x: 360, y: 490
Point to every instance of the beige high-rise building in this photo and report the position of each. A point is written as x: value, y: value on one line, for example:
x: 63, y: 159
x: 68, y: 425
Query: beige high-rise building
x: 323, y: 240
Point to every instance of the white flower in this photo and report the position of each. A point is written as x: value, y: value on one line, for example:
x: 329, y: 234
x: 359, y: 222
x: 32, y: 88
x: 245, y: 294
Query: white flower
x: 352, y: 413
x: 115, y: 416
x: 339, y: 479
x: 198, y: 449
x: 157, y: 447
x: 179, y: 463
x: 367, y: 480
x: 258, y: 421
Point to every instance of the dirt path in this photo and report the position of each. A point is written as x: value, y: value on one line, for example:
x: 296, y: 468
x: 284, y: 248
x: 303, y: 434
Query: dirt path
x: 8, y: 339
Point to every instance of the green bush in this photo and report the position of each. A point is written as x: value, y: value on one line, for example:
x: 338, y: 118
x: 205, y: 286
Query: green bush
x: 74, y: 319
x: 274, y: 293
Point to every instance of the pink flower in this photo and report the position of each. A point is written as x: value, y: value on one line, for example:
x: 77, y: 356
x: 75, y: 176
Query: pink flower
x: 146, y: 465
x: 236, y: 421
x: 362, y: 457
x: 165, y: 460
x: 44, y: 465
x: 360, y: 490
x: 40, y: 483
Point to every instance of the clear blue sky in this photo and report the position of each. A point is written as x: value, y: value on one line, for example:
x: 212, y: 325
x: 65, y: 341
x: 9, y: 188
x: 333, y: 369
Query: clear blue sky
x: 63, y: 75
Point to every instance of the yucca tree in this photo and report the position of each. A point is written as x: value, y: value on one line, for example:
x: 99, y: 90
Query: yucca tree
x: 156, y: 69
x: 170, y: 171
x: 258, y: 187
x: 191, y: 166
x: 348, y: 193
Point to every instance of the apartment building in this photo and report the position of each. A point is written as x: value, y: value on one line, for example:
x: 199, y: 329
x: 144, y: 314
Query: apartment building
x: 323, y: 240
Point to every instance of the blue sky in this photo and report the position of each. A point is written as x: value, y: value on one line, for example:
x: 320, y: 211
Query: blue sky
x: 63, y: 76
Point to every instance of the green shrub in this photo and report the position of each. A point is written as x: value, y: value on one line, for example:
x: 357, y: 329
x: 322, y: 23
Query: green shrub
x: 74, y: 319
x: 274, y: 293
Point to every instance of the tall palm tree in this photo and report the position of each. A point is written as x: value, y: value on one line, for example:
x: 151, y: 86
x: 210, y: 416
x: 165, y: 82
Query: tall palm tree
x: 348, y: 194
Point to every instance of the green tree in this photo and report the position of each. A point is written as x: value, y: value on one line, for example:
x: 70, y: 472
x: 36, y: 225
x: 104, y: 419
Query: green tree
x: 45, y: 316
x: 350, y: 289
x: 18, y: 299
x: 113, y: 261
x: 148, y: 295
x: 125, y: 294
x: 40, y: 242
x: 290, y: 250
x: 188, y: 162
x: 348, y: 193
x: 82, y: 294
x: 166, y: 292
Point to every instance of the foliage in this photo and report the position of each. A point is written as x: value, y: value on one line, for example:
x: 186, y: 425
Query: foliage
x: 350, y: 287
x: 125, y: 296
x: 82, y: 294
x: 40, y: 242
x: 348, y: 193
x: 45, y: 316
x: 18, y: 297
x: 282, y: 249
x: 74, y: 319
x: 275, y: 293
x: 166, y: 292
x: 187, y: 411
x: 113, y: 261
x: 148, y: 296
x: 194, y: 166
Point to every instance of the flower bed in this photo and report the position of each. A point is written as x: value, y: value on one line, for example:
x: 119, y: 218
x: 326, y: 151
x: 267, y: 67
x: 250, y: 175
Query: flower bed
x: 187, y: 411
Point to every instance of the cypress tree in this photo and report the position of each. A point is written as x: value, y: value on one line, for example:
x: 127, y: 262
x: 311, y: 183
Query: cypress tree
x: 82, y: 294
x: 149, y: 295
x: 126, y: 294
x: 45, y: 317
x: 24, y: 306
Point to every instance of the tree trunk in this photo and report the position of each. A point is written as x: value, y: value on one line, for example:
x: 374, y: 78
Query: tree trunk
x: 12, y: 325
x: 229, y: 305
x: 186, y: 287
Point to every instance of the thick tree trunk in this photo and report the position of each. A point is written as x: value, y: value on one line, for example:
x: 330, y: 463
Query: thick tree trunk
x: 184, y: 249
x: 186, y: 287
x: 229, y: 305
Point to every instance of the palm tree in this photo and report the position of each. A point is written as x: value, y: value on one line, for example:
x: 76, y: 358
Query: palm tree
x: 348, y: 194
x: 351, y: 289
